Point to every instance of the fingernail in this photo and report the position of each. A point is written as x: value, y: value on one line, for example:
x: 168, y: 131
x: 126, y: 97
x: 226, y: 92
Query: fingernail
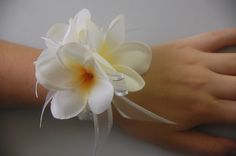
x: 232, y: 153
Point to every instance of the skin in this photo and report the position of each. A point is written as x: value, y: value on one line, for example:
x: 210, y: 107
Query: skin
x: 17, y: 79
x: 188, y: 82
x: 191, y: 84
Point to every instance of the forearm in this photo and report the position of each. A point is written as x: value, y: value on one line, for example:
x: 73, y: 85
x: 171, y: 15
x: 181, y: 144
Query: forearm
x: 17, y: 79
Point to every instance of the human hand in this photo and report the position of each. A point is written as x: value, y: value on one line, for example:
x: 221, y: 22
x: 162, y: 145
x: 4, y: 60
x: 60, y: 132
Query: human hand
x: 191, y: 84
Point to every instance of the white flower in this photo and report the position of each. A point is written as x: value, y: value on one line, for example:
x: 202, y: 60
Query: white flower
x: 76, y: 79
x: 60, y: 34
x: 115, y: 55
x: 119, y: 59
x: 75, y: 31
x: 85, y: 65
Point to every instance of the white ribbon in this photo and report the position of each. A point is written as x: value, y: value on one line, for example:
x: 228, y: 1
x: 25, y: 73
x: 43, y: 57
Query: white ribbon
x: 127, y: 109
x: 130, y: 110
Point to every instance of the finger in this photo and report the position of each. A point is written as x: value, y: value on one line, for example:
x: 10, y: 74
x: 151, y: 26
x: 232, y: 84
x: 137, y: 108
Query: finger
x: 200, y: 143
x: 222, y: 86
x: 224, y: 111
x: 212, y: 41
x: 222, y: 63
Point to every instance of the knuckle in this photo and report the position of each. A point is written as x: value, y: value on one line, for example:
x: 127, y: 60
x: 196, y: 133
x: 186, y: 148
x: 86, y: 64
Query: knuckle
x: 202, y: 110
x: 199, y: 109
x: 217, y: 33
x: 222, y: 34
x: 190, y: 60
x: 190, y: 56
x: 180, y: 44
x: 194, y: 82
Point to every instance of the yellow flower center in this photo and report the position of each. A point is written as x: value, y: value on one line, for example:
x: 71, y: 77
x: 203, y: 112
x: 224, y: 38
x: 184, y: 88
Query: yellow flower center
x: 86, y: 78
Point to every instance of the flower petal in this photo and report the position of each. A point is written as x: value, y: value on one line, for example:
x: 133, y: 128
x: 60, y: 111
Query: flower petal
x: 140, y: 53
x: 107, y: 67
x: 71, y: 34
x: 77, y: 27
x: 46, y: 55
x: 116, y: 78
x: 134, y: 81
x: 57, y: 32
x: 52, y: 75
x: 81, y: 19
x: 68, y: 104
x: 73, y: 53
x: 115, y: 33
x: 95, y: 37
x: 100, y: 97
x: 51, y: 44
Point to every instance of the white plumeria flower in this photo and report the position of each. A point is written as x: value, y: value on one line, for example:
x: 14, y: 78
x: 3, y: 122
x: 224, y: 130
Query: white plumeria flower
x: 75, y: 31
x: 115, y: 55
x: 120, y: 60
x: 76, y: 79
x: 123, y: 62
x: 60, y: 34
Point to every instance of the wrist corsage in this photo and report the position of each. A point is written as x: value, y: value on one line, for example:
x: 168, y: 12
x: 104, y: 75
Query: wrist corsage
x: 86, y: 69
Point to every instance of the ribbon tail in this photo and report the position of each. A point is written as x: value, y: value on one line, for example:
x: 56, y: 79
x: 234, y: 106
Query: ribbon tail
x: 47, y: 101
x: 130, y: 110
x: 102, y: 128
x: 36, y: 89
